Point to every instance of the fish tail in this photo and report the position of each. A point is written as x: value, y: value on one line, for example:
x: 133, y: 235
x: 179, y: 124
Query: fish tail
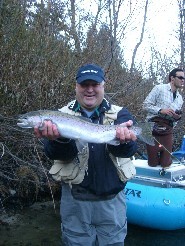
x: 146, y: 133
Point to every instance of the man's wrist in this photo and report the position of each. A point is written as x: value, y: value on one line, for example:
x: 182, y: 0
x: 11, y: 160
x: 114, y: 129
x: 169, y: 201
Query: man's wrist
x: 63, y: 140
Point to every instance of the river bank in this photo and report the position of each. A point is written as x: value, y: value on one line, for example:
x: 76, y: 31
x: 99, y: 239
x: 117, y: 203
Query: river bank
x: 39, y: 225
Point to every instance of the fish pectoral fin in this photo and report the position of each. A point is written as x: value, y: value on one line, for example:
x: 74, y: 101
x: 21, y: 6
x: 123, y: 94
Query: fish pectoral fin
x: 80, y: 145
x: 42, y: 125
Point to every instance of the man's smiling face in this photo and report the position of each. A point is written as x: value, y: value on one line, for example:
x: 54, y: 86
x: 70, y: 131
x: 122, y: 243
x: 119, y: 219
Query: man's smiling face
x: 90, y: 94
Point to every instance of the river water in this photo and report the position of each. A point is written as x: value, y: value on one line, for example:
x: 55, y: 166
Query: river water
x: 39, y: 225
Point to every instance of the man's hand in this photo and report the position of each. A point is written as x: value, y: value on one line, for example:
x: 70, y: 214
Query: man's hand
x: 171, y: 113
x: 49, y: 130
x: 124, y: 134
x: 167, y: 111
x: 176, y: 116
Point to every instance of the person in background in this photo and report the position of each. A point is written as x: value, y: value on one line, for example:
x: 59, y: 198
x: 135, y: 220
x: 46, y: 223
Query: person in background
x: 93, y: 209
x: 163, y: 106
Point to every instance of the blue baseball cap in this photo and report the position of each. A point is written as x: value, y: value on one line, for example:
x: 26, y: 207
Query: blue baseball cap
x: 90, y: 72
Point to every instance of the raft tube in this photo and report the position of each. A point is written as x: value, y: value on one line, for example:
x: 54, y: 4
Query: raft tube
x: 155, y: 207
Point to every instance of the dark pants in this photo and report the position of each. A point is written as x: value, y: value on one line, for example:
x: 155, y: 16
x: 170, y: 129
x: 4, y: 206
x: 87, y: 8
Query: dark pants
x: 160, y: 154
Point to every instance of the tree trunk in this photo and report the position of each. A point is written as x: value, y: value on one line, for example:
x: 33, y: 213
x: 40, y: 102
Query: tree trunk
x: 182, y: 31
x: 141, y: 38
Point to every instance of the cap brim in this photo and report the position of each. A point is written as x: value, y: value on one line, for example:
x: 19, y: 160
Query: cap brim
x: 89, y: 77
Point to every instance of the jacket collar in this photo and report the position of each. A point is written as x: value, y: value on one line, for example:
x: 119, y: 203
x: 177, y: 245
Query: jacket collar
x: 104, y: 107
x: 170, y: 89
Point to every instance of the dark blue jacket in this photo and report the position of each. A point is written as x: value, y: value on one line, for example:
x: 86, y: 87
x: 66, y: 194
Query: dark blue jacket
x: 102, y: 177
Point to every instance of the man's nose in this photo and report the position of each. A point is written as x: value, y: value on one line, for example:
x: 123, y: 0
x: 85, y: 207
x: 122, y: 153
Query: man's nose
x: 90, y: 88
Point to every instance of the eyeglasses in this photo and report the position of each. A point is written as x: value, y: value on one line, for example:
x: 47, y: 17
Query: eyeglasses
x: 179, y: 77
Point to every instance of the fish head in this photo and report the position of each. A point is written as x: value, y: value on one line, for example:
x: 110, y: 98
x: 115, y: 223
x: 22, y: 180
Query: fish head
x: 30, y: 120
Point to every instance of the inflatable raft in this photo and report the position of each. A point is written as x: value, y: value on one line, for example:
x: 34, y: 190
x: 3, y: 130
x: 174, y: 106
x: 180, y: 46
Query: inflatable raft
x: 156, y: 197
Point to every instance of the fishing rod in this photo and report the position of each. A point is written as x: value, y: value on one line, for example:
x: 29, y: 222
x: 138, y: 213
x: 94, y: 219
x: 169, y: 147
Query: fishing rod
x: 178, y: 161
x: 146, y: 158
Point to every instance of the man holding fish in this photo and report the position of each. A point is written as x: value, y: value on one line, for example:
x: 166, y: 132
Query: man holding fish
x: 93, y: 175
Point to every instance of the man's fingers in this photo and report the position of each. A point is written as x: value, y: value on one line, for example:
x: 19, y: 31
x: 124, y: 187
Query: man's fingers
x: 133, y: 136
x: 55, y: 131
x: 37, y: 132
x: 127, y: 124
x: 48, y: 130
x: 124, y: 134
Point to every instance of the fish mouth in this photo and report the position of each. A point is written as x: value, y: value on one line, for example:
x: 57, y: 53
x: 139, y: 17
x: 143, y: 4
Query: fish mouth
x: 23, y: 123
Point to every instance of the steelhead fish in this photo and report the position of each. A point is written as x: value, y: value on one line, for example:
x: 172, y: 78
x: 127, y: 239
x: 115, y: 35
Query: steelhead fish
x: 81, y: 129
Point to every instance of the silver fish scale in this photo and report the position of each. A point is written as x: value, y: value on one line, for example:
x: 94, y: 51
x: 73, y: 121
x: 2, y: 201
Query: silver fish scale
x: 78, y: 128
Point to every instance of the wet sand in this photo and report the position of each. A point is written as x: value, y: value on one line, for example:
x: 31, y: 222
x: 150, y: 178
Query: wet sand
x: 39, y: 225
